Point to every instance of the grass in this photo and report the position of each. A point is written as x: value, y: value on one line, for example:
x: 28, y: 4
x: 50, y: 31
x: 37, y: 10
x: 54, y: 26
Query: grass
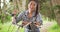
x: 8, y: 27
x: 54, y: 28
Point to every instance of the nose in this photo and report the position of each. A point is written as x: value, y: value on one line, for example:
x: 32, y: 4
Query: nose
x: 32, y: 6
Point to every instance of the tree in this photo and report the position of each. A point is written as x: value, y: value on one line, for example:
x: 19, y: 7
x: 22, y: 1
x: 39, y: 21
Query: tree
x: 56, y: 4
x: 3, y: 14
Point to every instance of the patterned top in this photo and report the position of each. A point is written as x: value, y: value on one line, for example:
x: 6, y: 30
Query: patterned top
x: 24, y: 17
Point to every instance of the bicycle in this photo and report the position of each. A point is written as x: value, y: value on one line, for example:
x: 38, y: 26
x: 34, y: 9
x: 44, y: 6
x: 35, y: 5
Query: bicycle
x: 31, y: 30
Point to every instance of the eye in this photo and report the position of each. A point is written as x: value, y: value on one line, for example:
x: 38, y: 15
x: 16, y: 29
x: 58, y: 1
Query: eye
x: 34, y: 4
x: 31, y: 3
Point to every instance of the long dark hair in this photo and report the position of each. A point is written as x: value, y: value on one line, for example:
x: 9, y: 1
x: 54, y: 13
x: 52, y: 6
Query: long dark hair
x: 36, y: 7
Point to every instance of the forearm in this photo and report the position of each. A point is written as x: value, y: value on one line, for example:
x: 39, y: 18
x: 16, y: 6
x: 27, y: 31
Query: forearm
x: 25, y: 23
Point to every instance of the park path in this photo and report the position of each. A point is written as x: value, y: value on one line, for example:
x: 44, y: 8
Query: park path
x: 45, y: 26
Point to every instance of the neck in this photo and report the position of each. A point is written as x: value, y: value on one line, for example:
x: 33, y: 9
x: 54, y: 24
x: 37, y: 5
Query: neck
x: 30, y: 12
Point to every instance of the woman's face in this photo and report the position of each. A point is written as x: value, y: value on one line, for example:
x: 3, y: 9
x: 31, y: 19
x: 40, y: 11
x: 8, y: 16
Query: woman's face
x: 32, y: 6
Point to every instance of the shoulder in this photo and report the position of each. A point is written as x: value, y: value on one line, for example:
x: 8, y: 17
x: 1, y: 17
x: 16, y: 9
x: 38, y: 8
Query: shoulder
x: 39, y: 14
x: 23, y: 12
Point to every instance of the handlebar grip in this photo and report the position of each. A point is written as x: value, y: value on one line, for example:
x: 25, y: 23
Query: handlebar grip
x: 13, y: 14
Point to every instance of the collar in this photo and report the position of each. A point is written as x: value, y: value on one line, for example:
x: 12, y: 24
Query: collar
x: 27, y: 12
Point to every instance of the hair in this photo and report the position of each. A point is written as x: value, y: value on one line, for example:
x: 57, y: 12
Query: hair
x: 36, y: 7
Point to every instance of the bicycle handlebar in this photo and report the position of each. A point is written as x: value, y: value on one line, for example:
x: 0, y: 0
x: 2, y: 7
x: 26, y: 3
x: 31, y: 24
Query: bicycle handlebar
x: 25, y: 25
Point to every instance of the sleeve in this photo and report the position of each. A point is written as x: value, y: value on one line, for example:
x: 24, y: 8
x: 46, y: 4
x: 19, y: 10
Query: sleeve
x: 39, y: 18
x: 19, y: 17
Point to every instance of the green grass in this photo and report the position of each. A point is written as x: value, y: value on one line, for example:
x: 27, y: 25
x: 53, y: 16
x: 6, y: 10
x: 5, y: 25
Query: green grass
x: 54, y: 28
x: 8, y: 27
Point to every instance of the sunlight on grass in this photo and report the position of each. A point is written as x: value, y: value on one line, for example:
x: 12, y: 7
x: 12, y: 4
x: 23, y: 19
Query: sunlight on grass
x: 9, y: 27
x: 54, y: 28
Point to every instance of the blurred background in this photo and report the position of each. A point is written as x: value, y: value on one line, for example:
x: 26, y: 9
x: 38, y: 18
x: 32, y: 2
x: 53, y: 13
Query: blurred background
x: 50, y: 10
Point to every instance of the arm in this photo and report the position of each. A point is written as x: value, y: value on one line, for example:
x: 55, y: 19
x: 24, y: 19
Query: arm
x: 39, y: 20
x: 26, y: 23
x: 18, y: 18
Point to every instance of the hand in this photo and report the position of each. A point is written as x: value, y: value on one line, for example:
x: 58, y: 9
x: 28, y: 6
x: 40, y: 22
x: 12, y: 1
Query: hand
x: 37, y: 23
x: 14, y: 16
x: 25, y: 23
x: 14, y: 12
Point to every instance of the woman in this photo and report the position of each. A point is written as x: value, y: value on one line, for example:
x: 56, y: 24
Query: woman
x: 31, y: 15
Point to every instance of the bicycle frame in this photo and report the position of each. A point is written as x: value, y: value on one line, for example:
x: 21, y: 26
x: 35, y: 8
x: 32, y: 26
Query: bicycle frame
x: 24, y: 27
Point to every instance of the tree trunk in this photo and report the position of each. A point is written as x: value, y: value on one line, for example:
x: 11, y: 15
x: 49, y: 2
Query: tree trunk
x: 56, y: 2
x: 3, y: 10
x: 18, y: 3
x: 23, y: 4
x: 0, y: 11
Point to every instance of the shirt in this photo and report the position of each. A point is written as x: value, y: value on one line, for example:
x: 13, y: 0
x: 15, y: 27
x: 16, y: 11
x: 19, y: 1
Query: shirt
x: 24, y: 17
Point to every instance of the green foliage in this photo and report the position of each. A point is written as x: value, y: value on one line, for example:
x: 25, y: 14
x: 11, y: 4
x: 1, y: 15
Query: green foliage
x: 0, y: 17
x: 11, y: 0
x: 54, y: 28
x: 5, y: 16
x: 43, y: 1
x: 57, y: 7
x: 0, y: 20
x: 47, y: 10
x: 7, y: 27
